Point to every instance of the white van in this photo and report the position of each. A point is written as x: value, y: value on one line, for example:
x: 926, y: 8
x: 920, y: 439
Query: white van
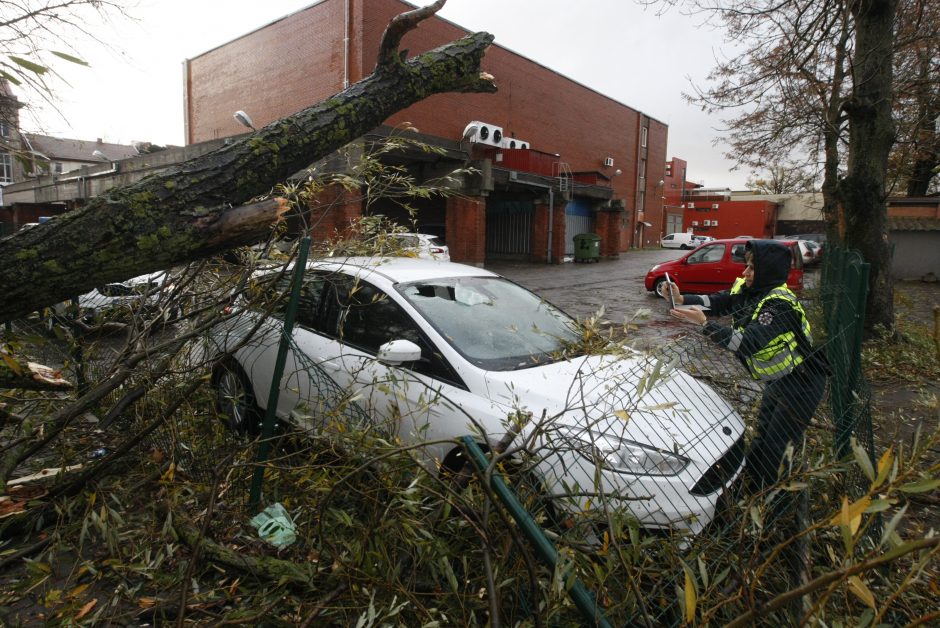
x: 679, y: 241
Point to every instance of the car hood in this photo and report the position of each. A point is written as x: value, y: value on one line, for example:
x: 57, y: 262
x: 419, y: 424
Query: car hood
x: 635, y: 398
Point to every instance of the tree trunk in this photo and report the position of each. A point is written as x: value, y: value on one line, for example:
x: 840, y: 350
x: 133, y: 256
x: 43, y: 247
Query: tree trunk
x: 871, y: 135
x: 191, y: 210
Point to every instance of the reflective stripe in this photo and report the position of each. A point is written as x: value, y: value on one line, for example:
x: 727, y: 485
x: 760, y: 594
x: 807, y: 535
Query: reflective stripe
x: 781, y: 355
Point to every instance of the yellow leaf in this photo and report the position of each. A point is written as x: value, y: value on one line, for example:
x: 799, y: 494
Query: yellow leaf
x: 146, y: 602
x: 86, y: 609
x: 12, y: 364
x: 622, y: 414
x: 170, y: 473
x: 884, y: 466
x: 690, y: 598
x: 861, y: 590
x: 850, y: 515
x: 77, y: 591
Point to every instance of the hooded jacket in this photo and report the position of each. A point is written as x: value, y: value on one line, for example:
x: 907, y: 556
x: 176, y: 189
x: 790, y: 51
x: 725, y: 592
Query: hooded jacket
x: 749, y: 335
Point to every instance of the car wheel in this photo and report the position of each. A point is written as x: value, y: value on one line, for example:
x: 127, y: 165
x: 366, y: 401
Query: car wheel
x: 235, y: 400
x: 658, y: 287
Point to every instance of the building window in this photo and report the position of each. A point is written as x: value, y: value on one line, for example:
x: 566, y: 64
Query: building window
x: 644, y: 136
x: 6, y: 168
x: 4, y: 129
x: 58, y: 167
x: 642, y: 168
x: 642, y: 203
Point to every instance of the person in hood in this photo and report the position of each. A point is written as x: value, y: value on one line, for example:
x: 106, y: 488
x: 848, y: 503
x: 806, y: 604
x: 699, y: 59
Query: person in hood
x: 770, y: 335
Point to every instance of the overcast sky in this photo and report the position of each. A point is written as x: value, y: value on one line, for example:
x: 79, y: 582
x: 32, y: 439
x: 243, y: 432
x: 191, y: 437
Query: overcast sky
x: 135, y: 90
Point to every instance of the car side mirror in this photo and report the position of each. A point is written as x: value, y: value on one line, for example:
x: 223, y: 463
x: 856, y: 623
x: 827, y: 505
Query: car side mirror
x: 398, y: 351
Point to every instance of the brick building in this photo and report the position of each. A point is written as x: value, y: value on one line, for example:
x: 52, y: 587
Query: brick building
x: 591, y: 163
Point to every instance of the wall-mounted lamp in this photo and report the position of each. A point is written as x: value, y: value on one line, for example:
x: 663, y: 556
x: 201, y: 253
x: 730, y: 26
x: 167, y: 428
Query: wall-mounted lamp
x: 244, y: 119
x: 618, y: 172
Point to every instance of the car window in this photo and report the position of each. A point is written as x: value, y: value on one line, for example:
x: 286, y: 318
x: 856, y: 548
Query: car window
x: 494, y: 323
x: 737, y: 253
x: 670, y: 237
x: 707, y: 254
x: 364, y: 317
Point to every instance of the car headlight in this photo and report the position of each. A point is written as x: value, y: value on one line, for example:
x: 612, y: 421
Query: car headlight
x: 627, y: 456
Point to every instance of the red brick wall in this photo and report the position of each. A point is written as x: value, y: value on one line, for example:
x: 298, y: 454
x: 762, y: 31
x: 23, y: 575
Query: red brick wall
x: 332, y: 213
x: 466, y: 229
x: 297, y: 61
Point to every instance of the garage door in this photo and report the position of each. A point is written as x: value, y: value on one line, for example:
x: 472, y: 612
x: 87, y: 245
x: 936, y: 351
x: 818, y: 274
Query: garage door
x: 509, y: 226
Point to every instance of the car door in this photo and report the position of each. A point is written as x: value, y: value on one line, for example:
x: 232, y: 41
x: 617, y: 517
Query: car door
x: 702, y: 270
x: 421, y: 401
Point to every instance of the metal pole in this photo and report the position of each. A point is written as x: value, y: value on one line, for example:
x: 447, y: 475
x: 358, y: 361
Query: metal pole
x: 543, y: 546
x: 267, y: 427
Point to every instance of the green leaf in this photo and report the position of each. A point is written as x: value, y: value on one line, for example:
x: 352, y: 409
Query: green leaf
x: 10, y: 77
x: 861, y: 457
x: 69, y: 58
x: 26, y: 64
x: 892, y: 525
x: 922, y: 486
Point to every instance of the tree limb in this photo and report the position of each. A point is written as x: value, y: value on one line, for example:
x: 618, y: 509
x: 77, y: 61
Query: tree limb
x: 184, y: 212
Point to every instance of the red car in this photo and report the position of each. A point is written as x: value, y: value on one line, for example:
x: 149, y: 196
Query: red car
x: 714, y: 266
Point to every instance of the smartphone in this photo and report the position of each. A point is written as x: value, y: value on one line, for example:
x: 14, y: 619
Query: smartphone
x: 672, y: 297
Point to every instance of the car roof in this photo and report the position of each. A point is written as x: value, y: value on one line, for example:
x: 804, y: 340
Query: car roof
x: 399, y: 269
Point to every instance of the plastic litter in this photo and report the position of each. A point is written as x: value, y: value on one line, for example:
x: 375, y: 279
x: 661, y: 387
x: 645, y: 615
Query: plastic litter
x: 274, y: 526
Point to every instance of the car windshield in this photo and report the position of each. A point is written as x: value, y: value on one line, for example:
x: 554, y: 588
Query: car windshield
x: 494, y: 323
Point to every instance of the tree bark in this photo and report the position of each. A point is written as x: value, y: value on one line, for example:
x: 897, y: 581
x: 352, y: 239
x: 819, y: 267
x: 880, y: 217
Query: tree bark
x: 871, y: 136
x: 191, y: 210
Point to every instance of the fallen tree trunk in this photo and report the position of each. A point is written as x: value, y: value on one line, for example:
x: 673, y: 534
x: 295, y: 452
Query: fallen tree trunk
x: 192, y: 210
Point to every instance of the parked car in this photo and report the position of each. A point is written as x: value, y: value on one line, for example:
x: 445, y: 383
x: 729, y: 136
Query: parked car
x: 807, y: 252
x: 701, y: 239
x: 434, y: 351
x: 681, y: 240
x: 714, y: 266
x: 817, y: 249
x: 422, y: 245
x: 118, y: 300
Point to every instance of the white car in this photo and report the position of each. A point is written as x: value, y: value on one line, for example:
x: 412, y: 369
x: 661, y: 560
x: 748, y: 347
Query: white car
x: 435, y: 351
x: 119, y: 299
x: 422, y: 245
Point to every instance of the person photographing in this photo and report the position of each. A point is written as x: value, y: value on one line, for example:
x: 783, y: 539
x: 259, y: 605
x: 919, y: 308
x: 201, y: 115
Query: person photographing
x: 770, y: 335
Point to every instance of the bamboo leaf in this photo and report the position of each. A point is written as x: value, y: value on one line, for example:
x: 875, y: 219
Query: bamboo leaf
x: 861, y: 590
x: 884, y: 467
x: 892, y: 525
x: 26, y: 64
x: 690, y: 595
x: 861, y: 457
x: 921, y: 486
x: 69, y: 58
x: 10, y: 78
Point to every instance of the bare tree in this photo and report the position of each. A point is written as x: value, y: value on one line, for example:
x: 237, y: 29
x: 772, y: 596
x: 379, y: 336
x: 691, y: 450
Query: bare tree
x: 813, y: 85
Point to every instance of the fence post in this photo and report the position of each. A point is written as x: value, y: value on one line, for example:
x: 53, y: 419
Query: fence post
x: 267, y: 427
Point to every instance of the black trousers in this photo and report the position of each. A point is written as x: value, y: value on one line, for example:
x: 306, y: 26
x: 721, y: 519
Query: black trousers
x: 786, y: 408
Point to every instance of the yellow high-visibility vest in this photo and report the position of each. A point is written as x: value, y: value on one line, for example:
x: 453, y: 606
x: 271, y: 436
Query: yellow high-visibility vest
x: 781, y: 355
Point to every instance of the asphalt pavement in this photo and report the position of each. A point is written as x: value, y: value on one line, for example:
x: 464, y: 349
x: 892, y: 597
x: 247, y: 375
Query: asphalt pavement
x: 614, y: 285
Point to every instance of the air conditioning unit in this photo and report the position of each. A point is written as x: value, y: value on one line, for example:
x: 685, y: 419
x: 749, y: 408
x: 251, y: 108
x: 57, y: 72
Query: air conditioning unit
x: 695, y: 223
x: 708, y: 223
x: 608, y: 162
x: 483, y: 133
x: 714, y: 205
x: 691, y: 205
x: 512, y: 142
x: 714, y: 223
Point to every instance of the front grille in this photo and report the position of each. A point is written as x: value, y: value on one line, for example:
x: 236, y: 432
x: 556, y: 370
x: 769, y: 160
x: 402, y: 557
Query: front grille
x: 722, y: 471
